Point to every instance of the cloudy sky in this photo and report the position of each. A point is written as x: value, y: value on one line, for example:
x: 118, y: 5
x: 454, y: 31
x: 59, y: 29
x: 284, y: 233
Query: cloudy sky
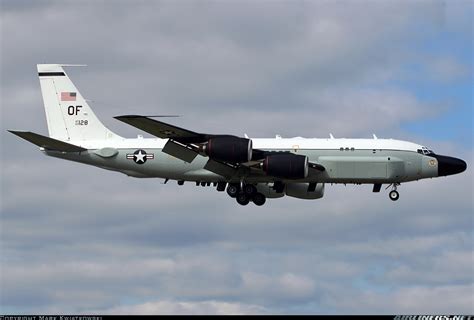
x: 77, y: 239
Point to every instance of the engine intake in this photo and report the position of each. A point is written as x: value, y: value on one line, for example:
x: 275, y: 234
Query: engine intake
x: 290, y: 166
x: 229, y: 149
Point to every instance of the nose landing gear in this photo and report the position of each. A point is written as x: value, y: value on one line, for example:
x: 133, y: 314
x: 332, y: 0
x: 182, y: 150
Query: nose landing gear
x: 394, y: 195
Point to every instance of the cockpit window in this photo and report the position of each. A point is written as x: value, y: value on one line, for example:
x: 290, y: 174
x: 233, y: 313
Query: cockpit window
x: 425, y: 151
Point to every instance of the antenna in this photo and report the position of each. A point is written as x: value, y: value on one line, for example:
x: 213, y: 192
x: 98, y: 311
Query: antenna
x: 73, y: 65
x: 164, y: 116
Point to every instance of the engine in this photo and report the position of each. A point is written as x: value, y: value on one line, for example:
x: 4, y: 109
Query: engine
x: 229, y: 149
x: 290, y: 166
x: 305, y: 190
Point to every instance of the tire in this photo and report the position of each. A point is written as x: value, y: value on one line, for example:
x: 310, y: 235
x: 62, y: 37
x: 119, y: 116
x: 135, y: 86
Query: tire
x: 394, y: 195
x: 232, y: 190
x: 259, y: 199
x: 242, y: 199
x: 250, y: 189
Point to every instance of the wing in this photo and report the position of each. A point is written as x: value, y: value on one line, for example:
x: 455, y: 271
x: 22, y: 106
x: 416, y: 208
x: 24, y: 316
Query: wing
x: 181, y: 143
x: 163, y: 130
x: 186, y: 145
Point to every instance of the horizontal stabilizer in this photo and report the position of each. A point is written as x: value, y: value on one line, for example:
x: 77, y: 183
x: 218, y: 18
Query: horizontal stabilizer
x: 46, y: 142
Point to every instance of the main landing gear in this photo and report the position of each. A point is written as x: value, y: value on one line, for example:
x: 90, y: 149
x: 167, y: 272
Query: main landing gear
x: 245, y: 193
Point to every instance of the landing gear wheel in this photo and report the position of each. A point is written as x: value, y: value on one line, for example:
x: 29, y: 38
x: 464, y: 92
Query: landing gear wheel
x: 259, y: 199
x: 250, y: 189
x: 394, y: 195
x: 221, y: 186
x: 242, y: 199
x: 232, y: 190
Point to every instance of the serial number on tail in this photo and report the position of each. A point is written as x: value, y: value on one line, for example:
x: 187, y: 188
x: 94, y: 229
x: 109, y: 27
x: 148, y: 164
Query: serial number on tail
x: 81, y: 122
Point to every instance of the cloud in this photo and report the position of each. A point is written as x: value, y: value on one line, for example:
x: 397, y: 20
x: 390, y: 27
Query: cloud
x: 184, y: 308
x: 446, y: 268
x: 298, y: 61
x: 83, y: 258
x: 412, y: 300
x: 286, y: 287
x: 447, y: 69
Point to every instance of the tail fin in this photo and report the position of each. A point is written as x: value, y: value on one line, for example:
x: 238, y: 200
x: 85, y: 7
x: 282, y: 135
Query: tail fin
x: 68, y: 114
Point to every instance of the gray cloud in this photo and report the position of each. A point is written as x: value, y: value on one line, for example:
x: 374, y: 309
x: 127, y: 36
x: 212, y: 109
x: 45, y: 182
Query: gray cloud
x: 302, y: 58
x: 185, y: 308
x: 80, y: 239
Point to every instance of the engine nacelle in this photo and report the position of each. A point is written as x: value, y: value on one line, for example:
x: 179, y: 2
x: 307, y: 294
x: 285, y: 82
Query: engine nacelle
x: 304, y: 190
x: 229, y: 149
x: 286, y: 165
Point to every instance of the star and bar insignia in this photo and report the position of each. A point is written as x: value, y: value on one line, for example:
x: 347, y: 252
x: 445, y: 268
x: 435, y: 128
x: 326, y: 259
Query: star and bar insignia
x: 140, y: 156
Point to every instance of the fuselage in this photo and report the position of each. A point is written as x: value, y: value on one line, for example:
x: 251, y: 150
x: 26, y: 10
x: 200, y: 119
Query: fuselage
x: 345, y: 160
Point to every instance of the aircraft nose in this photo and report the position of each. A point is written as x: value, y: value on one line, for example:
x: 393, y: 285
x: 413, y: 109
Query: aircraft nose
x: 449, y: 165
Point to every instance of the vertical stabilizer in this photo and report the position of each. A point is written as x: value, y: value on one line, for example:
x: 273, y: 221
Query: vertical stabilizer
x: 69, y: 116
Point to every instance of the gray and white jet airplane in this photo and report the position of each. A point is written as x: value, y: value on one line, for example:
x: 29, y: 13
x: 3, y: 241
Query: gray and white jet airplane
x: 251, y: 170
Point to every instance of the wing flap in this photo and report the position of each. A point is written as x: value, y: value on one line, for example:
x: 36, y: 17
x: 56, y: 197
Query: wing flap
x: 47, y: 142
x: 220, y: 168
x: 179, y: 151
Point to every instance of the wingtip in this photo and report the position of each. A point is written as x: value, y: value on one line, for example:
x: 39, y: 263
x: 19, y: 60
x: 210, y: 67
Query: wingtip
x: 16, y: 132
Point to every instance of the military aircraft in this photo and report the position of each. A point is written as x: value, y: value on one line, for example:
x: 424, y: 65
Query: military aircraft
x: 250, y: 170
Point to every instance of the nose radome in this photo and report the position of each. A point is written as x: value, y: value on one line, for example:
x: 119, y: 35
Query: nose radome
x: 449, y: 165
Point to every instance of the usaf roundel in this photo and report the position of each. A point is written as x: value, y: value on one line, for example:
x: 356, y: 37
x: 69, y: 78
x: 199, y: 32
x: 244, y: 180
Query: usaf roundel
x: 140, y: 156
